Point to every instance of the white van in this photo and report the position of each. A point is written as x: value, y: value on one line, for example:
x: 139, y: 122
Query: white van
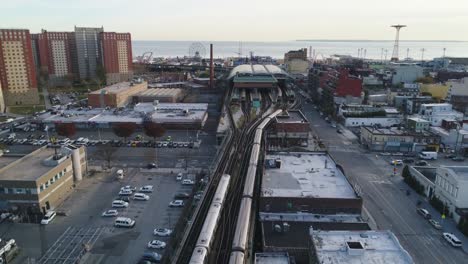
x: 452, y: 239
x: 119, y: 204
x: 48, y: 217
x: 140, y: 197
x: 124, y: 222
x: 428, y: 155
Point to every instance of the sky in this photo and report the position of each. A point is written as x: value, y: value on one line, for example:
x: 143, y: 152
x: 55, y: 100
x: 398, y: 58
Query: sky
x: 246, y: 20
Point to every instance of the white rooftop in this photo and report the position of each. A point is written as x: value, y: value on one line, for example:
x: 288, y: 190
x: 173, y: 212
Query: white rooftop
x: 358, y: 247
x: 272, y: 258
x: 308, y: 217
x: 305, y: 174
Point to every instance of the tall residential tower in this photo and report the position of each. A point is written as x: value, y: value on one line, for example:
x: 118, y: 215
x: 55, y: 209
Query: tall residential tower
x: 17, y: 71
x: 88, y: 51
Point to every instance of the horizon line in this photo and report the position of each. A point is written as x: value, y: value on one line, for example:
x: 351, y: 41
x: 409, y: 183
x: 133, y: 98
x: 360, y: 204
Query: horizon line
x: 309, y: 40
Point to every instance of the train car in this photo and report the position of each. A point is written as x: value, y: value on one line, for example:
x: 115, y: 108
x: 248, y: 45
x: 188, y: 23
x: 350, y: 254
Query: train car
x: 236, y: 258
x: 258, y: 137
x: 211, y: 222
x: 242, y: 94
x: 199, y: 256
x: 249, y: 181
x: 209, y: 226
x: 221, y: 190
x: 239, y: 242
x: 254, y: 155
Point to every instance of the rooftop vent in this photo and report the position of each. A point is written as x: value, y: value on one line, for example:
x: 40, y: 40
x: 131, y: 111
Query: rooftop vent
x: 355, y: 248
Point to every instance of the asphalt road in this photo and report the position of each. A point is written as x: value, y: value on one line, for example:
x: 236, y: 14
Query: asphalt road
x: 385, y: 196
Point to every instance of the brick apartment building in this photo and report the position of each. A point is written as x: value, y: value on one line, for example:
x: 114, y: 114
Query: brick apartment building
x: 117, y: 56
x: 348, y: 85
x: 17, y: 71
x: 55, y: 52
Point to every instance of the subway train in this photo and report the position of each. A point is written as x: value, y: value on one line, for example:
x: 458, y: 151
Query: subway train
x: 239, y: 243
x: 205, y: 239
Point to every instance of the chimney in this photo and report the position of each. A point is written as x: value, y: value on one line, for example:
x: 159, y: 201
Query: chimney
x: 211, y: 67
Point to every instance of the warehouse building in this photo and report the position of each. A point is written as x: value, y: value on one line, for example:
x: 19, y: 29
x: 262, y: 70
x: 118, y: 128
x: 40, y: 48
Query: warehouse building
x: 162, y: 95
x: 41, y: 180
x: 356, y: 247
x: 116, y: 95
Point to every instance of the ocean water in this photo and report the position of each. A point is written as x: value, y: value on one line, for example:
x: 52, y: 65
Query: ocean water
x: 323, y: 48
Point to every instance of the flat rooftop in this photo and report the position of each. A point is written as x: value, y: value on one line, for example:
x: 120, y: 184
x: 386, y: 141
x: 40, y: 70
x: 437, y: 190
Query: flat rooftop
x: 292, y: 116
x: 161, y: 92
x: 272, y: 258
x: 308, y: 217
x: 29, y: 167
x: 117, y: 88
x: 418, y: 119
x: 358, y: 247
x: 305, y: 174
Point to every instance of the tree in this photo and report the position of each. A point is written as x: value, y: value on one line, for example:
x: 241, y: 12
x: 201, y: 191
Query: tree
x: 153, y: 129
x: 124, y: 129
x: 107, y: 153
x: 65, y: 129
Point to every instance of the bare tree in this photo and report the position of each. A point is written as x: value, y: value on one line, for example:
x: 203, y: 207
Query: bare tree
x: 65, y: 129
x: 107, y: 153
x: 124, y: 130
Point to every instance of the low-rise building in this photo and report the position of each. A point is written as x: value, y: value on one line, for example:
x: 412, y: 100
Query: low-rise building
x: 451, y: 187
x: 116, y: 95
x: 308, y: 182
x: 163, y: 95
x: 458, y: 94
x: 452, y: 135
x: 272, y: 258
x: 177, y: 116
x: 398, y: 140
x: 406, y: 73
x: 356, y: 247
x: 435, y: 113
x: 417, y: 124
x: 413, y: 104
x: 41, y: 180
x: 291, y: 128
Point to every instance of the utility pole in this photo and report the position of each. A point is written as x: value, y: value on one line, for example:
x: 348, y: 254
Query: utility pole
x: 407, y: 53
x: 381, y: 55
x: 386, y: 51
x: 422, y: 54
x: 443, y: 55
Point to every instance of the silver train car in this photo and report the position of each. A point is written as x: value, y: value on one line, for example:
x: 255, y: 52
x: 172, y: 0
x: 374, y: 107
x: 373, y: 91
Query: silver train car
x: 239, y: 243
x: 205, y: 239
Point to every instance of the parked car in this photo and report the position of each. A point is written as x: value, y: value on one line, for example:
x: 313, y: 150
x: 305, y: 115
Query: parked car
x: 151, y: 166
x: 396, y: 162
x: 422, y: 163
x: 123, y: 198
x: 176, y: 203
x: 179, y: 176
x: 424, y: 213
x: 124, y: 222
x: 181, y: 195
x: 339, y: 131
x: 452, y: 239
x: 151, y: 256
x: 128, y: 187
x: 125, y: 192
x: 48, y: 217
x: 119, y: 204
x: 458, y: 158
x: 162, y: 232
x: 157, y: 244
x: 450, y: 156
x: 110, y: 213
x: 188, y: 182
x: 141, y: 197
x: 146, y: 189
x: 435, y: 224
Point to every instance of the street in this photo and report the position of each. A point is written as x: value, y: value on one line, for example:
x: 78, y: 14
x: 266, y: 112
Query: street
x: 385, y: 196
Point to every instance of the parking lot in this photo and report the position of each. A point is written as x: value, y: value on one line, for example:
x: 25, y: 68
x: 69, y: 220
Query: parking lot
x: 91, y: 198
